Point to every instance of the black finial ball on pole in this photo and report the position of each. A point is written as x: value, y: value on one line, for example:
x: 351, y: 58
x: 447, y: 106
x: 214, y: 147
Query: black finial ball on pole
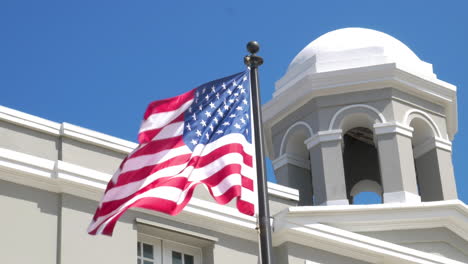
x: 253, y: 47
x: 253, y: 60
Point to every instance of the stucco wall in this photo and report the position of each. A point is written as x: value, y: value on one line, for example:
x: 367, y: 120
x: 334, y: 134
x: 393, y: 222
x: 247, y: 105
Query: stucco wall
x: 28, y: 229
x: 76, y: 214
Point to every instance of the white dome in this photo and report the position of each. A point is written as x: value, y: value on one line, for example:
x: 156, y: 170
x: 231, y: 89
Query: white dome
x: 356, y: 47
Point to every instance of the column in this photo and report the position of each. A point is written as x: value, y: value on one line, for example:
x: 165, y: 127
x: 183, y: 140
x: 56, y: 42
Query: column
x: 396, y: 163
x: 328, y: 178
x: 433, y: 160
x: 294, y: 172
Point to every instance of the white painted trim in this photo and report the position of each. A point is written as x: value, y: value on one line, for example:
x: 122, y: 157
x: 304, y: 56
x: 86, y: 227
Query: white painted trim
x: 323, y: 136
x: 96, y: 138
x: 304, y: 88
x: 335, y: 202
x: 452, y: 215
x: 443, y: 144
x: 401, y: 197
x: 66, y: 130
x: 29, y: 121
x: 25, y: 163
x: 221, y: 213
x: 431, y: 144
x: 81, y: 175
x: 288, y: 158
x: 353, y: 245
x: 175, y: 229
x: 425, y: 117
x: 282, y: 191
x: 283, y: 140
x: 393, y: 127
x: 335, y: 116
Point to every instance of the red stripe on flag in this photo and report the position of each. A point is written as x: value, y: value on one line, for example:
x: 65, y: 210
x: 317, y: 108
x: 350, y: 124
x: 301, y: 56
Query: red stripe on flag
x: 156, y: 146
x: 148, y: 135
x: 169, y: 104
x: 140, y: 174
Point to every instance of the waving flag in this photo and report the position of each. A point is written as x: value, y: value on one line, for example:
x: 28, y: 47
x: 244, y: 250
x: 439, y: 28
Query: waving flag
x: 200, y: 137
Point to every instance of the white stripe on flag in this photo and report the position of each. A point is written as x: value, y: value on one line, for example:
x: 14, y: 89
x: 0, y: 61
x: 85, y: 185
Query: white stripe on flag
x: 158, y: 120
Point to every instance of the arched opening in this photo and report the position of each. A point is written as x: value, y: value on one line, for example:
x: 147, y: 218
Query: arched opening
x: 360, y: 155
x: 361, y: 163
x: 366, y: 192
x: 425, y: 159
x: 294, y: 162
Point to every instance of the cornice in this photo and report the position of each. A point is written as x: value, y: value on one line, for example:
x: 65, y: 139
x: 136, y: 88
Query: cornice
x: 96, y: 138
x: 288, y: 158
x: 431, y: 144
x: 307, y: 86
x: 452, y: 214
x: 66, y: 130
x: 353, y: 245
x: 323, y: 136
x: 25, y: 120
x: 393, y: 128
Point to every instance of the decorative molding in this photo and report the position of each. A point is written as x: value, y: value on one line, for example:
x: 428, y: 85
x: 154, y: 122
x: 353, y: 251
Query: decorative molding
x: 357, y: 246
x: 299, y: 123
x: 431, y: 144
x: 288, y: 158
x: 283, y: 192
x: 304, y: 88
x: 81, y: 175
x: 324, y: 136
x: 393, y: 127
x: 96, y: 138
x: 29, y: 121
x: 426, y: 117
x: 177, y: 230
x: 66, y: 130
x: 451, y: 214
x: 401, y: 197
x: 335, y: 116
x: 335, y: 202
x: 24, y: 163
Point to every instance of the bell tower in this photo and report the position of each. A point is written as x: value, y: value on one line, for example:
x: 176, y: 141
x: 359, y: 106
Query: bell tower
x: 357, y: 111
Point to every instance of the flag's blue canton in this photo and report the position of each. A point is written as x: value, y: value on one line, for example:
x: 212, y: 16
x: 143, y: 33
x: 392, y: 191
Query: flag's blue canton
x: 219, y: 108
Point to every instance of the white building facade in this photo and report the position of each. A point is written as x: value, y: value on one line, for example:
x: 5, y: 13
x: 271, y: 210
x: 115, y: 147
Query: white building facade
x: 357, y: 111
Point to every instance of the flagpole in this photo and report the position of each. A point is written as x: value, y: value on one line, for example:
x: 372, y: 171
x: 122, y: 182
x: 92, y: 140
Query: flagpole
x: 253, y: 61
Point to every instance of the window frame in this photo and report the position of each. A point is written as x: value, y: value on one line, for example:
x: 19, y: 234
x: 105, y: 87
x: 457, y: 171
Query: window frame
x: 162, y: 250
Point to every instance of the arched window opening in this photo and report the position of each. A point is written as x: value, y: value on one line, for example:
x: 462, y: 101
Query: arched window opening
x: 295, y: 172
x: 425, y: 161
x: 361, y: 162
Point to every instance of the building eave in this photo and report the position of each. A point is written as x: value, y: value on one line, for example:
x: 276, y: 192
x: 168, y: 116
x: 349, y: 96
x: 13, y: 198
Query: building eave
x: 306, y: 86
x: 353, y: 245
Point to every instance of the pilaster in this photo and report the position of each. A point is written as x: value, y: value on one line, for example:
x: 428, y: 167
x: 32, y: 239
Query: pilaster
x: 328, y: 179
x: 433, y: 160
x: 396, y: 163
x: 294, y: 172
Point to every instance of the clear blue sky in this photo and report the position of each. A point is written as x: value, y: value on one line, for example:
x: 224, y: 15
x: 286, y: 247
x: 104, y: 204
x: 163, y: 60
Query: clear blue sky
x: 97, y: 64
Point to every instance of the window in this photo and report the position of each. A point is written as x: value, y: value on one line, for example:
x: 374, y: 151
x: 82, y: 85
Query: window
x: 149, y: 253
x: 151, y: 250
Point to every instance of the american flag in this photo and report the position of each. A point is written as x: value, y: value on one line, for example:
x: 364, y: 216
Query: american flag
x: 200, y: 137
